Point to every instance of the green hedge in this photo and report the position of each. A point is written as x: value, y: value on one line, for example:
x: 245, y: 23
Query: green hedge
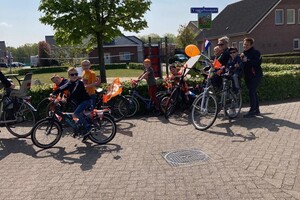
x: 135, y: 66
x: 282, y: 60
x: 55, y: 69
x: 280, y: 82
x: 271, y: 67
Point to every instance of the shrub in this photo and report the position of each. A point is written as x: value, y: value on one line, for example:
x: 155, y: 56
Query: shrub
x: 282, y: 60
x: 275, y: 85
x: 135, y: 66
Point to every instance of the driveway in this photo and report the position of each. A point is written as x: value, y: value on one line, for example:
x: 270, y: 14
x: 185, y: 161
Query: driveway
x: 152, y: 158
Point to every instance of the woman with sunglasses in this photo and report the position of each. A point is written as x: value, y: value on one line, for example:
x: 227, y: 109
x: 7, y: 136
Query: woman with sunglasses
x: 79, y: 95
x: 223, y: 45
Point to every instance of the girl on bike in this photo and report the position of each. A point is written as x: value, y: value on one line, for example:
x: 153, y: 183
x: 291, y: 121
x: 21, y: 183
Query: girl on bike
x: 79, y: 95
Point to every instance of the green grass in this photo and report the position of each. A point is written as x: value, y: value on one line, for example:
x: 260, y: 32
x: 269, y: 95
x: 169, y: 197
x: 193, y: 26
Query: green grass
x: 111, y: 73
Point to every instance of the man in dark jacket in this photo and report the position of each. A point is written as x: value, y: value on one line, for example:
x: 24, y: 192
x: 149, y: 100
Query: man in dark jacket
x: 253, y: 74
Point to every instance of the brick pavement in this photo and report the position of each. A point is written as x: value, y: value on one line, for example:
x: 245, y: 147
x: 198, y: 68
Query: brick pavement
x: 254, y: 158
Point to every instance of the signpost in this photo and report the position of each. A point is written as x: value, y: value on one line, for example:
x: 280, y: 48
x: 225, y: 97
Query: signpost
x: 204, y: 16
x: 203, y: 9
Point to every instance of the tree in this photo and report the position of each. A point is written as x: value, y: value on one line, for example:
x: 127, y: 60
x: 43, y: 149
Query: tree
x: 44, y: 53
x: 23, y: 53
x: 185, y: 36
x: 155, y: 38
x: 171, y: 37
x: 98, y: 21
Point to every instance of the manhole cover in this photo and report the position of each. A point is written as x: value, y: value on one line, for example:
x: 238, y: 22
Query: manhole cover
x: 185, y: 157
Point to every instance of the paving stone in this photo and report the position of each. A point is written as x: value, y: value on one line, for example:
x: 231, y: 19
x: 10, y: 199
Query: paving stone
x: 255, y: 158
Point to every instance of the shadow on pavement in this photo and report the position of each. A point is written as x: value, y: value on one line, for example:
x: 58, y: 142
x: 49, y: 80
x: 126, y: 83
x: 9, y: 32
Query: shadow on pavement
x: 87, y: 155
x: 15, y: 145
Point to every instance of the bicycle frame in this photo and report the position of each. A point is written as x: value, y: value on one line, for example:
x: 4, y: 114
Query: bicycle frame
x: 147, y: 102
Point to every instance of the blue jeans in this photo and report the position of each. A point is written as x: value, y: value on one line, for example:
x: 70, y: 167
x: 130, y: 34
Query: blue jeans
x: 252, y: 86
x: 79, y: 113
x: 93, y: 100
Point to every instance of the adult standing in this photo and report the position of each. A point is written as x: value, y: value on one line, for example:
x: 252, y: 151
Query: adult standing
x: 4, y: 82
x: 253, y: 74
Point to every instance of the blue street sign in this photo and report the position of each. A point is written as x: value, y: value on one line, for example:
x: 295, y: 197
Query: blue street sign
x: 203, y: 9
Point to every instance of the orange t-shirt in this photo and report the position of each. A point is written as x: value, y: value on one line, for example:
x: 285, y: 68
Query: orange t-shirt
x: 89, y: 77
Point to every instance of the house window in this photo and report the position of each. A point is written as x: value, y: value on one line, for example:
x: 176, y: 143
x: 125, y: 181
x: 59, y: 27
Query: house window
x: 125, y: 56
x: 296, y: 44
x: 290, y: 16
x: 240, y: 47
x: 279, y: 17
x: 233, y: 44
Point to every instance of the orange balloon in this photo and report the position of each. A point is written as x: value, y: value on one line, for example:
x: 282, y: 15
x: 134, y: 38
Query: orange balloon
x: 192, y: 50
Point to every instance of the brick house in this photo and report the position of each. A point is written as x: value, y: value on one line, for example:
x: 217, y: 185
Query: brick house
x: 121, y: 49
x: 274, y: 24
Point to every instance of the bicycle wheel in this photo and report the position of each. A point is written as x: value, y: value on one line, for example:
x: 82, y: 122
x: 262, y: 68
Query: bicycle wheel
x: 20, y: 117
x: 46, y: 133
x: 204, y: 117
x: 118, y: 107
x: 163, y: 103
x: 232, y: 104
x: 42, y: 111
x: 132, y: 106
x: 172, y: 102
x: 103, y: 129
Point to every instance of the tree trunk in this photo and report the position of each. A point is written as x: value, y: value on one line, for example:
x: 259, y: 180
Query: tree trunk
x: 101, y: 58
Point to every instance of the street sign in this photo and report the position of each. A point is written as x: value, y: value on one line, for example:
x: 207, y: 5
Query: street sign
x: 204, y: 9
x: 204, y: 20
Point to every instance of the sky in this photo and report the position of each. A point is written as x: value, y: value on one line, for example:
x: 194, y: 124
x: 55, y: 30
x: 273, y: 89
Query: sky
x: 20, y: 25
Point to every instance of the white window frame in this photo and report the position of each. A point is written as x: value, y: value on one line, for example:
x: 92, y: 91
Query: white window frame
x: 294, y: 42
x: 125, y: 56
x: 293, y: 13
x: 282, y: 11
x: 299, y: 16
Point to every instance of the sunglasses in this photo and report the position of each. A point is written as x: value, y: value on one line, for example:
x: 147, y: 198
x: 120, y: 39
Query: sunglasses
x: 75, y: 74
x: 232, y: 52
x: 221, y: 44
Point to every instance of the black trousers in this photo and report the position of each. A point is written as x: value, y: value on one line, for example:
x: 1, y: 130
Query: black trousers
x: 252, y: 86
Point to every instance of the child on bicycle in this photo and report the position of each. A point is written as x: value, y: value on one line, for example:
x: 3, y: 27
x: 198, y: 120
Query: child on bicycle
x: 57, y: 82
x: 148, y: 74
x: 176, y: 75
x: 235, y: 66
x: 79, y: 95
x: 90, y: 80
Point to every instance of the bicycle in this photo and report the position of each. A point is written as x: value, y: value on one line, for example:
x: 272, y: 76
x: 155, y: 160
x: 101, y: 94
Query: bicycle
x: 43, y: 107
x: 177, y: 98
x: 134, y: 98
x: 47, y: 132
x: 16, y: 112
x: 113, y: 99
x: 205, y: 107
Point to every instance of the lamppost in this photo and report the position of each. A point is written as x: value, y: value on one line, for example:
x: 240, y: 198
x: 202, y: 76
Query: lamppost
x: 9, y: 60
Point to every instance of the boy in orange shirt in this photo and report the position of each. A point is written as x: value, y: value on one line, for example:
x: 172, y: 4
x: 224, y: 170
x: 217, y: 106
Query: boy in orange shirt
x: 90, y: 80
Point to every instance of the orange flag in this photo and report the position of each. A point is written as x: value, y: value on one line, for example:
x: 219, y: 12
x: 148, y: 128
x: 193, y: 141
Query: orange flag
x: 217, y: 64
